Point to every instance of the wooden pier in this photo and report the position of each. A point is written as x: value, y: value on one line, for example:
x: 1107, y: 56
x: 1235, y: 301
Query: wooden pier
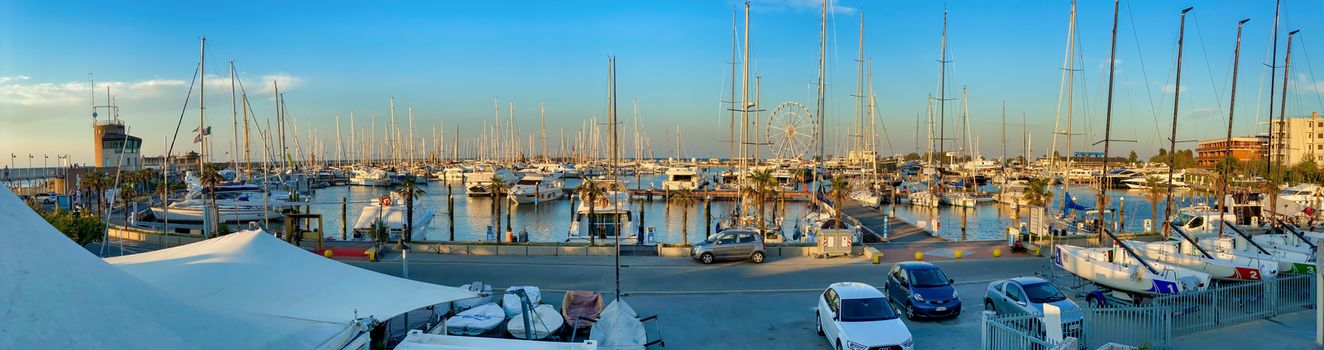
x: 650, y: 194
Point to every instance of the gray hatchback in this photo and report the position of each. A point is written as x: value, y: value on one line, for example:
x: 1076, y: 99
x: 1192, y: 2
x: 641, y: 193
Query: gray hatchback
x: 730, y: 245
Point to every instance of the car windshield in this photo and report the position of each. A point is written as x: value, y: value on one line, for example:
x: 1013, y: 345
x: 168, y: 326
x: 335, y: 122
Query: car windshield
x: 928, y: 278
x: 1043, y: 293
x: 866, y: 309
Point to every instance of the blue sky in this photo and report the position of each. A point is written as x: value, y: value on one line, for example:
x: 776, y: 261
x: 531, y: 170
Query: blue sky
x: 449, y: 59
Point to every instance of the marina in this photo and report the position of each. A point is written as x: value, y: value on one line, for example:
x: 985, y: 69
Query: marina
x: 384, y: 181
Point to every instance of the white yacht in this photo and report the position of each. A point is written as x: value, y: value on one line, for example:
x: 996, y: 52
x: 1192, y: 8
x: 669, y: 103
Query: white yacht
x: 370, y: 177
x: 605, y: 218
x: 1142, y: 182
x: 477, y: 183
x: 197, y: 213
x: 454, y: 174
x: 683, y: 178
x: 1297, y: 198
x: 537, y: 187
x: 391, y: 211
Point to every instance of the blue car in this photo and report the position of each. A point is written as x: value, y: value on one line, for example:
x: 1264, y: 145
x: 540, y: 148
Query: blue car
x: 921, y: 290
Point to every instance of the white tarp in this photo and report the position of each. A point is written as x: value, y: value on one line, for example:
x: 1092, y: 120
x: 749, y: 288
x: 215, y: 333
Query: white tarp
x: 417, y: 340
x: 619, y: 328
x: 256, y: 272
x: 56, y: 295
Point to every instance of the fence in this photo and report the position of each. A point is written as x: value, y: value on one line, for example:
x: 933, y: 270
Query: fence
x: 1163, y: 318
x: 1240, y: 302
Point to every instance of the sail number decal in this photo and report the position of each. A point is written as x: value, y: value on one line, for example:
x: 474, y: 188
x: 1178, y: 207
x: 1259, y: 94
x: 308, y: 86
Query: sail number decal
x: 1164, y: 287
x: 1247, y: 273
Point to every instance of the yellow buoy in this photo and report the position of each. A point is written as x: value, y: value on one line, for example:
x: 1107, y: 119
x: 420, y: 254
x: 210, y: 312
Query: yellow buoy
x: 997, y: 252
x: 957, y: 254
x: 919, y: 255
x: 327, y: 253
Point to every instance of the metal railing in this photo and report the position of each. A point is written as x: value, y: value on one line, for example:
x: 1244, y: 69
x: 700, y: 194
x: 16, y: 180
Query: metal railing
x: 1239, y: 302
x: 1013, y: 333
x: 1135, y: 326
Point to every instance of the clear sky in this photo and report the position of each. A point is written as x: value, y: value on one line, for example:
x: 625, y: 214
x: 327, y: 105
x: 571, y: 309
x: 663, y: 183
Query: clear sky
x: 449, y: 59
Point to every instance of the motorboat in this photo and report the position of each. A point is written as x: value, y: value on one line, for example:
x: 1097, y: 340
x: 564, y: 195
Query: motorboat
x: 537, y: 187
x: 683, y: 178
x: 1295, y: 199
x: 1142, y: 182
x: 924, y: 199
x: 454, y: 174
x: 478, y: 182
x: 370, y: 177
x: 1112, y: 268
x: 866, y: 197
x: 1219, y: 265
x: 477, y: 320
x: 1013, y: 193
x: 608, y: 216
x: 197, y: 213
x: 390, y: 211
x: 959, y: 199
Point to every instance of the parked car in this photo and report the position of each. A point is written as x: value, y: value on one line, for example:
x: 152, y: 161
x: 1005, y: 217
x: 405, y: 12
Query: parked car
x: 44, y: 198
x: 1027, y: 296
x: 856, y: 316
x: 922, y: 291
x: 730, y: 245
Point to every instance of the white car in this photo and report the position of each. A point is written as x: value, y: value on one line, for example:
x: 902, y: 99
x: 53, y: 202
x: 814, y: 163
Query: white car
x: 856, y: 316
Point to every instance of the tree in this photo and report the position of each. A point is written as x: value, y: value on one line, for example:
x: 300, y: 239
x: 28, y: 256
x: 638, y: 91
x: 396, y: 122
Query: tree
x: 80, y: 228
x: 97, y: 182
x: 497, y: 187
x: 1037, y: 193
x: 127, y: 194
x: 1132, y: 158
x: 210, y: 178
x: 761, y: 181
x: 1155, y: 189
x: 407, y: 190
x: 1161, y: 158
x: 592, y: 191
x: 840, y: 190
x: 684, y: 198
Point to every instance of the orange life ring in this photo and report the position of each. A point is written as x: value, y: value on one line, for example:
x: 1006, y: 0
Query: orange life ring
x: 386, y: 201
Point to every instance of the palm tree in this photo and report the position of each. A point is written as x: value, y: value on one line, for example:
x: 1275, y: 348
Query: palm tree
x: 840, y: 190
x: 210, y: 178
x: 684, y: 198
x: 1154, y: 191
x: 97, y: 181
x: 762, y: 181
x: 407, y: 190
x: 1037, y: 193
x: 497, y: 187
x: 127, y: 194
x: 591, y: 190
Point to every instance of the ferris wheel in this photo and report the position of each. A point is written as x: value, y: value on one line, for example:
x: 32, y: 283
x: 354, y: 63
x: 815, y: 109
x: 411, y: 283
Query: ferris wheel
x: 791, y: 130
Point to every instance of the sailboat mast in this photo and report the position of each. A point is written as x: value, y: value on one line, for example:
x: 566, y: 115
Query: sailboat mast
x: 1108, y: 117
x: 1273, y: 62
x: 744, y: 93
x: 859, y: 92
x: 202, y: 107
x: 543, y: 114
x: 942, y: 88
x: 248, y: 162
x: 234, y: 122
x: 1172, y: 140
x: 731, y: 138
x: 1282, y: 109
x: 1227, y: 142
x: 820, y: 108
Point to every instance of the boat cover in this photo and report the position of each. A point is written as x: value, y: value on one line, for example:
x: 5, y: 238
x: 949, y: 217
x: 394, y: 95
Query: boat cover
x: 475, y: 321
x: 511, y: 302
x: 619, y: 328
x: 546, y: 321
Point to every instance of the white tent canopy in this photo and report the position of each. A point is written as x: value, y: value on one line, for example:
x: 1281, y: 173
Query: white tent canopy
x: 56, y: 295
x: 255, y: 272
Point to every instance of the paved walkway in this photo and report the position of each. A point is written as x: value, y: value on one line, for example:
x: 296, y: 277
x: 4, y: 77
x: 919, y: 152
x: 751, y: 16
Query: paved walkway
x: 905, y: 239
x: 1290, y: 331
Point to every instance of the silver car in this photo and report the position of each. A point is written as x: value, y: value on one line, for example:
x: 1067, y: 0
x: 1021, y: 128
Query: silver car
x: 730, y: 245
x: 1027, y: 296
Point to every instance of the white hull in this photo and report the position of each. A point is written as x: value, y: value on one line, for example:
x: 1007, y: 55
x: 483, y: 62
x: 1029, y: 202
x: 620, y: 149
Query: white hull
x: 542, y: 195
x: 1223, y: 266
x: 1288, y: 262
x: 1094, y: 265
x: 195, y: 214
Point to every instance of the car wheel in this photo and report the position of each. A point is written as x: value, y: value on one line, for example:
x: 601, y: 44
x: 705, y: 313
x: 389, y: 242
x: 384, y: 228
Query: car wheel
x: 757, y: 257
x: 706, y: 258
x: 910, y: 311
x: 839, y: 344
x: 988, y: 306
x: 818, y: 320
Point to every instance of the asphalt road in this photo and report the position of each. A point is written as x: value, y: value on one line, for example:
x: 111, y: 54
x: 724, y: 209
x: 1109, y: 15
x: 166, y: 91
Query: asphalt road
x: 737, y: 305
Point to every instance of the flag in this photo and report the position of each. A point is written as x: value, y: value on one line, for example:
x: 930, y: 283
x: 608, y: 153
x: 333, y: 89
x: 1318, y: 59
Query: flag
x: 197, y: 139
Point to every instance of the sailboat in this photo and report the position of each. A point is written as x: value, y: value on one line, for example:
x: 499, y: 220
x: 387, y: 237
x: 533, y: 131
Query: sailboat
x: 1126, y: 271
x: 1218, y: 264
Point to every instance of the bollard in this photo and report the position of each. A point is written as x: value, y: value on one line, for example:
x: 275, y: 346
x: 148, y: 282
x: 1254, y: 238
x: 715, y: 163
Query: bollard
x: 997, y: 252
x: 327, y: 253
x: 957, y: 254
x: 919, y: 255
x: 877, y: 258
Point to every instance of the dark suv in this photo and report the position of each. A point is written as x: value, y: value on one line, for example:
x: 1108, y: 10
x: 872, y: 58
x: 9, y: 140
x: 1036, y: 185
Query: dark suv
x: 922, y: 291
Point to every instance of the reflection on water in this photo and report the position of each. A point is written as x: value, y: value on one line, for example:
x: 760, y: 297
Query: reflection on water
x: 545, y: 222
x: 988, y: 221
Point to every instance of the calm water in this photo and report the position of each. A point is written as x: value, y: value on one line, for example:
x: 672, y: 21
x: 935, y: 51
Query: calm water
x: 545, y: 222
x: 988, y: 221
